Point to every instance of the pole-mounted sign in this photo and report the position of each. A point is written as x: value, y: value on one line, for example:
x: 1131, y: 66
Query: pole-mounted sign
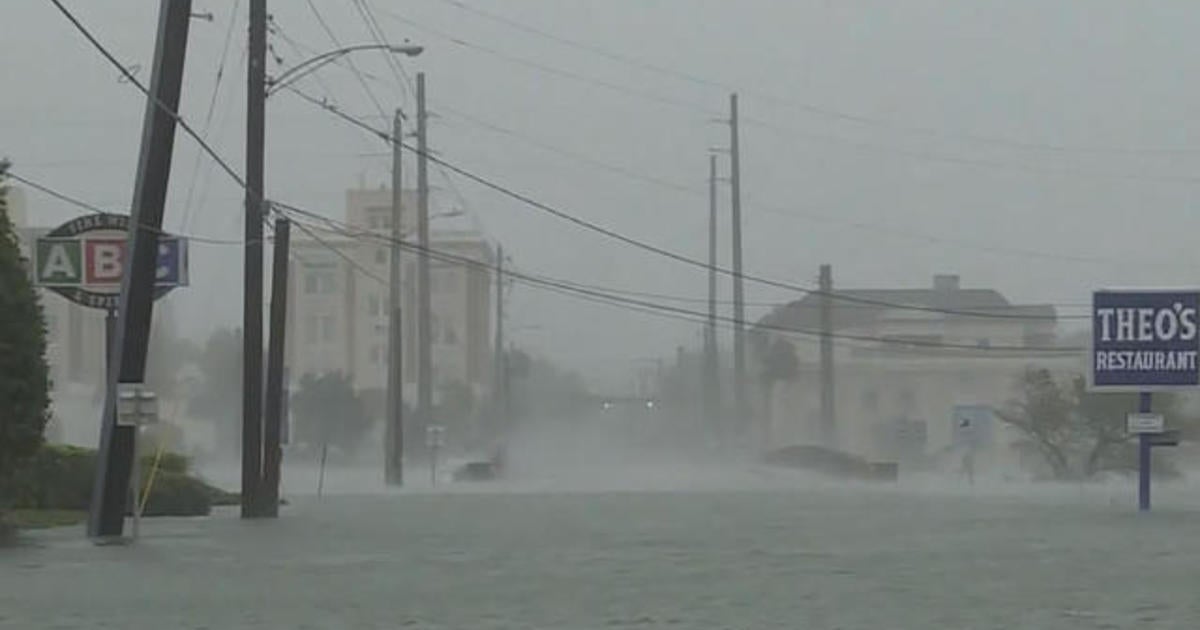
x: 84, y: 259
x: 1144, y: 341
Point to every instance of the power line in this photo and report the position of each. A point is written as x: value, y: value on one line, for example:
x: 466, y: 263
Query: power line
x: 818, y: 110
x: 643, y: 245
x: 208, y: 115
x: 83, y: 30
x: 340, y: 253
x: 377, y: 34
x: 793, y: 214
x: 349, y: 61
x: 821, y: 137
x: 691, y: 315
x: 61, y: 196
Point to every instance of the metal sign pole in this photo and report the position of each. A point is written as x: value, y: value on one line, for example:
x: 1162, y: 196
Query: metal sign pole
x: 1144, y: 405
x: 136, y: 483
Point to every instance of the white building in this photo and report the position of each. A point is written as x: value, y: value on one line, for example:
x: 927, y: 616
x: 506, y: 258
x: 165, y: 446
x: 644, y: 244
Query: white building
x: 339, y: 319
x: 897, y: 383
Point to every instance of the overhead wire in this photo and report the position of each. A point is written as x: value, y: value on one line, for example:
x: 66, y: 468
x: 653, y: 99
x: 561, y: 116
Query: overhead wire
x: 792, y: 213
x: 873, y: 147
x: 643, y: 245
x: 691, y: 315
x: 818, y: 110
x: 208, y: 115
x: 377, y: 34
x: 61, y: 196
x: 129, y: 76
x: 349, y: 61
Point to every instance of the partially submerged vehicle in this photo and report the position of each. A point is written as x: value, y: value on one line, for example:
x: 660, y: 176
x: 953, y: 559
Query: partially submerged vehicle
x: 832, y: 463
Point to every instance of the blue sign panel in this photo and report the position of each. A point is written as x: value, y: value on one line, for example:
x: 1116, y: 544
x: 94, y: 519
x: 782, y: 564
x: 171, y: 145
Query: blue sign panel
x: 972, y: 426
x: 1143, y: 340
x: 172, y: 262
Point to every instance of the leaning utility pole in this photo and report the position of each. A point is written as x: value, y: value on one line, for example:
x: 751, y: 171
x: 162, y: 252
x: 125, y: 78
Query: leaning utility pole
x: 393, y: 467
x: 828, y: 419
x: 273, y: 425
x: 127, y: 363
x: 712, y: 380
x: 252, y: 282
x: 424, y: 315
x: 739, y: 307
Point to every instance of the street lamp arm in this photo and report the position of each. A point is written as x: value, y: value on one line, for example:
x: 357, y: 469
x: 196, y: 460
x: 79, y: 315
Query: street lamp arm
x: 308, y: 66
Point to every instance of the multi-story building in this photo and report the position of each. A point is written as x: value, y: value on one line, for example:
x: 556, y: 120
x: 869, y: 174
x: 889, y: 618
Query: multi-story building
x: 338, y: 310
x: 904, y: 375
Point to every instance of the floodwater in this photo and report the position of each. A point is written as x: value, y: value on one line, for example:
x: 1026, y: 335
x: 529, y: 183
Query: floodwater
x: 772, y: 556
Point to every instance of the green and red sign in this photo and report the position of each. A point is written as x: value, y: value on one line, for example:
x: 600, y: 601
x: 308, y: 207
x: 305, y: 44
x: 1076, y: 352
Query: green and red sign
x: 84, y: 259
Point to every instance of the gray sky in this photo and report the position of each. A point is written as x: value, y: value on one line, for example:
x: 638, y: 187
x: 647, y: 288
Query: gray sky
x: 1042, y: 148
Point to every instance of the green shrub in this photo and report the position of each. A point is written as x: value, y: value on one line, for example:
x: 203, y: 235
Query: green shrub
x: 56, y: 477
x: 176, y: 494
x: 60, y: 478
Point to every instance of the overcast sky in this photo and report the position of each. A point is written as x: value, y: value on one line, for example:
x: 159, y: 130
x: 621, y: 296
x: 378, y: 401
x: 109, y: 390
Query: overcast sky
x: 1040, y: 148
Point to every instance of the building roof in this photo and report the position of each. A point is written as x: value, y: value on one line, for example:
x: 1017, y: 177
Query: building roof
x: 856, y: 308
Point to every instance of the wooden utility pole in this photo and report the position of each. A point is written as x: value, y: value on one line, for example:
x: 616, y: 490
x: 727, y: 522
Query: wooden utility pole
x: 712, y: 380
x: 131, y: 334
x: 424, y: 308
x: 393, y: 468
x: 501, y: 404
x: 828, y: 417
x: 252, y: 280
x: 272, y: 429
x: 741, y: 409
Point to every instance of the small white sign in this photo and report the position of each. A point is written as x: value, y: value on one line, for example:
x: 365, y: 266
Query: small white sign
x: 1137, y: 423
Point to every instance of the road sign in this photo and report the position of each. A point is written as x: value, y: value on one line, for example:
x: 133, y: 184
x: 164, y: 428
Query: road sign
x: 1166, y: 438
x: 1136, y: 423
x: 1144, y: 340
x: 972, y: 425
x: 83, y: 260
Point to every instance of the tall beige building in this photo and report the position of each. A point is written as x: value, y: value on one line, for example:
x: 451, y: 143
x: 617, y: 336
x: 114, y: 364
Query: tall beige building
x: 338, y: 313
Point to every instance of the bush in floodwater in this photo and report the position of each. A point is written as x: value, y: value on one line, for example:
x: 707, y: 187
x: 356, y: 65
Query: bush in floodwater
x: 60, y: 478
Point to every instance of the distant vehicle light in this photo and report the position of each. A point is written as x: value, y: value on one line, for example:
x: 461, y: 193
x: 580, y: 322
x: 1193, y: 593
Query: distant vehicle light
x: 649, y: 404
x: 607, y: 405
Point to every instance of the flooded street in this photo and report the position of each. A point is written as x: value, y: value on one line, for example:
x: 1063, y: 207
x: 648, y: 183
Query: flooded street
x: 866, y: 558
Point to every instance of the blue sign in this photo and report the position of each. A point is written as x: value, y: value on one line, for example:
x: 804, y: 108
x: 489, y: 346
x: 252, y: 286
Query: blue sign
x: 1144, y: 340
x: 972, y: 426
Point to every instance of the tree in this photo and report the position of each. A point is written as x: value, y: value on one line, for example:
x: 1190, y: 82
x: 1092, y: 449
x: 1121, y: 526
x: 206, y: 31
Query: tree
x: 216, y: 397
x: 1042, y: 413
x: 24, y: 373
x: 327, y: 410
x: 1081, y: 433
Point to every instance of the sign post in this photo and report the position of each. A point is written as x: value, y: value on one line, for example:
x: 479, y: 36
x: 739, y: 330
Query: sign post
x: 1144, y: 341
x: 84, y: 261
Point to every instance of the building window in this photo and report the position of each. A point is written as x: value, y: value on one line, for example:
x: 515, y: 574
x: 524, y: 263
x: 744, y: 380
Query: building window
x: 375, y: 354
x: 327, y: 332
x: 320, y: 282
x: 381, y: 256
x: 373, y: 305
x: 310, y: 329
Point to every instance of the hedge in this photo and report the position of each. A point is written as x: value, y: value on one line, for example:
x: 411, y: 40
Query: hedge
x: 60, y: 478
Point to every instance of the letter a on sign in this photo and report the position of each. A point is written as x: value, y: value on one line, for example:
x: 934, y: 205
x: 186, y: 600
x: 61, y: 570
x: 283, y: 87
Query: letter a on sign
x: 58, y: 262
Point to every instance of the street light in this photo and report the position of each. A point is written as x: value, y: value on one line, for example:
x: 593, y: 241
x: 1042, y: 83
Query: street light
x: 293, y: 74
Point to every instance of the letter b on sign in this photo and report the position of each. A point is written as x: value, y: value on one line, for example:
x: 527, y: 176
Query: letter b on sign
x: 104, y: 261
